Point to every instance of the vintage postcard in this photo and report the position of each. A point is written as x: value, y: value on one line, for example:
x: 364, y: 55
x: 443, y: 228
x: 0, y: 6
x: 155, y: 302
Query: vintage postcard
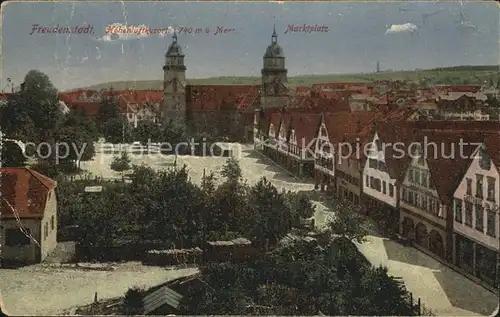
x: 249, y: 158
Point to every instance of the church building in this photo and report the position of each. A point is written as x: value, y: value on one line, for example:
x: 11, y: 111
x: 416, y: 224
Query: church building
x: 209, y: 106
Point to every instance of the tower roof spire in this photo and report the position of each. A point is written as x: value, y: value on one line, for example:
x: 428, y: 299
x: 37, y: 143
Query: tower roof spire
x: 174, y: 38
x: 274, y: 37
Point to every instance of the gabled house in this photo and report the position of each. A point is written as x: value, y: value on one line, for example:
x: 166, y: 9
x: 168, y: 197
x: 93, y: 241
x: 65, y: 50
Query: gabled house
x: 28, y: 206
x: 271, y: 144
x: 262, y: 123
x: 282, y: 137
x: 476, y: 213
x: 439, y: 159
x: 346, y: 132
x: 324, y: 168
x: 303, y: 132
x: 383, y: 172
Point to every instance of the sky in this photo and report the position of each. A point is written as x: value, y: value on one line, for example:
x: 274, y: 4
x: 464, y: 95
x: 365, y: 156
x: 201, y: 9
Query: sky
x: 399, y: 35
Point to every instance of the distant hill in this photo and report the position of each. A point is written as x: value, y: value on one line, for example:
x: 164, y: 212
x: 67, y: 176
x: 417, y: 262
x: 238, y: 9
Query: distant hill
x: 447, y: 75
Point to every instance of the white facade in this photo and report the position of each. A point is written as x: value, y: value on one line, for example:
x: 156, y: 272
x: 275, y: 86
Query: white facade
x: 324, y: 158
x: 476, y: 201
x: 419, y: 194
x: 377, y: 182
x: 272, y: 136
x: 282, y: 138
x: 477, y: 115
x: 295, y: 149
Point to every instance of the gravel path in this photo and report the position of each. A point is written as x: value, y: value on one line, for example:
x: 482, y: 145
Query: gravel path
x: 40, y: 291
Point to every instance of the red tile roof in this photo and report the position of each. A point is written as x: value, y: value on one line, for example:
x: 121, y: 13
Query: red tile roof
x: 347, y: 126
x: 275, y: 121
x: 458, y: 125
x: 449, y: 161
x: 286, y: 119
x: 24, y: 190
x: 322, y: 86
x: 306, y: 126
x: 90, y: 108
x: 5, y: 95
x: 492, y: 143
x: 302, y: 90
x: 221, y: 97
x: 395, y: 132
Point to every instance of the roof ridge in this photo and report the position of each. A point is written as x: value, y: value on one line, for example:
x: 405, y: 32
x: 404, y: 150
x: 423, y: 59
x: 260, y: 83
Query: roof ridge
x: 41, y: 178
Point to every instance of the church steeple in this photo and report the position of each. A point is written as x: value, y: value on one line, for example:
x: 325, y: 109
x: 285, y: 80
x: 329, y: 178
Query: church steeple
x: 174, y: 38
x: 274, y: 37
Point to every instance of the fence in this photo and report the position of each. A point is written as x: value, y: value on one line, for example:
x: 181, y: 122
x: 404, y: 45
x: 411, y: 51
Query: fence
x: 417, y: 309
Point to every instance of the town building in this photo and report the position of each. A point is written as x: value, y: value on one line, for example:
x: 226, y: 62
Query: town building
x: 476, y: 213
x: 28, y: 206
x: 439, y: 159
x: 383, y: 173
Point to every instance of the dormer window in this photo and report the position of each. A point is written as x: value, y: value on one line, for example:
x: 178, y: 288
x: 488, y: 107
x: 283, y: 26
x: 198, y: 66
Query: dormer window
x: 484, y: 160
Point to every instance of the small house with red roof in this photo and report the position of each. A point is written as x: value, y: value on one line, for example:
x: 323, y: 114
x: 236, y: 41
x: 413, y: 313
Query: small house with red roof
x: 28, y: 206
x: 476, y: 212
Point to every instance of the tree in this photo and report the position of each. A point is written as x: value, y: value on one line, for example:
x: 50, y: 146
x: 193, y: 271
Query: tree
x: 33, y: 113
x: 231, y: 171
x: 349, y: 223
x: 271, y: 217
x: 300, y: 205
x: 121, y: 163
x: 132, y: 302
x: 147, y: 131
x: 117, y: 130
x: 11, y: 155
x: 108, y: 109
x: 299, y: 279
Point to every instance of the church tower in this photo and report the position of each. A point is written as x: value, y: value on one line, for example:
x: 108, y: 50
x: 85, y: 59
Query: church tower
x: 174, y: 84
x: 274, y: 88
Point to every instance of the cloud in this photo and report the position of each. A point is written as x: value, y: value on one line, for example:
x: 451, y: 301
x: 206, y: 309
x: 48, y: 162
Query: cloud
x: 402, y: 28
x: 121, y: 32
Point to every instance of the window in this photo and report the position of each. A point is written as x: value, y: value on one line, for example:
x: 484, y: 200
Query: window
x: 479, y: 186
x: 479, y: 218
x: 490, y: 225
x: 491, y: 189
x: 416, y: 198
x: 14, y: 238
x: 46, y: 230
x: 372, y: 163
x: 410, y: 176
x: 417, y: 177
x: 484, y: 160
x: 458, y: 210
x: 469, y: 186
x: 391, y: 190
x: 367, y: 181
x: 421, y: 161
x: 424, y: 179
x: 410, y: 197
x: 468, y: 214
x: 383, y: 187
x: 52, y: 224
x: 425, y: 203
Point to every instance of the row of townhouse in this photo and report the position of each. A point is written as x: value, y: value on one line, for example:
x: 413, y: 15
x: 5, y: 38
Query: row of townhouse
x: 434, y: 183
